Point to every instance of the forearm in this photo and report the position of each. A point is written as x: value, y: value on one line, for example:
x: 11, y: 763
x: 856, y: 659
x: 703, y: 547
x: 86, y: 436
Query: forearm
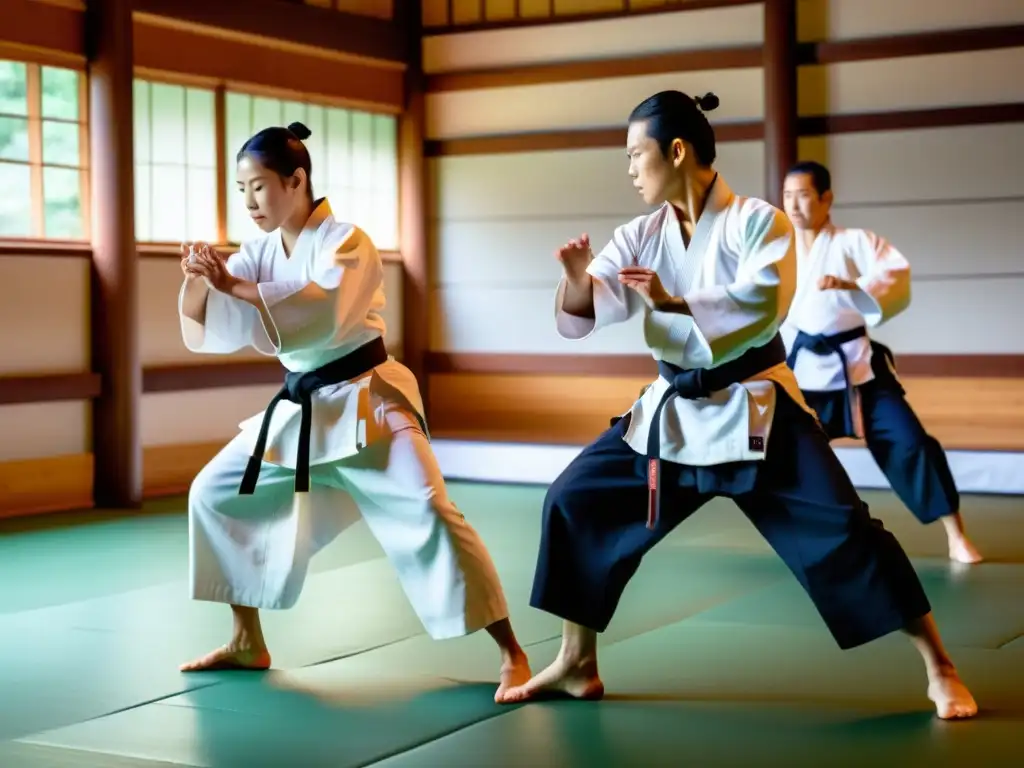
x: 674, y: 305
x: 194, y: 301
x: 246, y: 291
x: 579, y: 297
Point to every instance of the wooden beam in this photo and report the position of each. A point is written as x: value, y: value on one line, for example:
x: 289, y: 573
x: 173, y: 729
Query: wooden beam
x: 412, y: 190
x: 915, y: 44
x: 586, y: 138
x: 253, y: 63
x: 117, y: 448
x: 184, y: 378
x: 32, y: 26
x: 631, y: 366
x: 780, y: 103
x: 736, y: 57
x: 304, y: 24
x: 810, y: 125
x: 49, y: 388
x: 950, y: 117
x: 573, y: 18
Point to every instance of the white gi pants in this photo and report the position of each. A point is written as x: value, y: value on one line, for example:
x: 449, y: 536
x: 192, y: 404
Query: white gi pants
x: 254, y: 550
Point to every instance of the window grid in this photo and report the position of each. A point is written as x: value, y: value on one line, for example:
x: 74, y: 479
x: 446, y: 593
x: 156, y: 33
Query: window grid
x: 171, y: 221
x: 354, y: 159
x: 51, y: 195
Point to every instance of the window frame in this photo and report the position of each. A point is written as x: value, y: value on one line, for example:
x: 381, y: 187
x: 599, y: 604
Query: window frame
x: 36, y: 164
x: 38, y: 239
x: 186, y: 81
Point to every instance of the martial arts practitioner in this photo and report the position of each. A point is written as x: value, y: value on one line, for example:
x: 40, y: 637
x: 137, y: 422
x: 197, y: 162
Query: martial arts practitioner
x: 849, y: 280
x: 348, y: 422
x: 713, y: 274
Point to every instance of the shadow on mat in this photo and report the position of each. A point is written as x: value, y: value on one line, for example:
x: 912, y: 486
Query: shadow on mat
x: 282, y: 719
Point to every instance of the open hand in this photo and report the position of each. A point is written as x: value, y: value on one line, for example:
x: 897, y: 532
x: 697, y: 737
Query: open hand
x: 575, y: 256
x: 645, y: 282
x: 210, y: 264
x: 833, y: 283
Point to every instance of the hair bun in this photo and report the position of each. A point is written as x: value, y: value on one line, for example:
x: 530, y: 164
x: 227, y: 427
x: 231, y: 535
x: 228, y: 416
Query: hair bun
x: 301, y: 131
x: 707, y: 102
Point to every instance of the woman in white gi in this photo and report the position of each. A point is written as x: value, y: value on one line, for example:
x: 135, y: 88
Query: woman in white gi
x: 349, y: 422
x: 712, y: 274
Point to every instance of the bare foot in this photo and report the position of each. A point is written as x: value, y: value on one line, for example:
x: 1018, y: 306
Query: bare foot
x: 577, y: 680
x: 962, y: 550
x: 230, y: 657
x: 952, y: 699
x: 514, y: 674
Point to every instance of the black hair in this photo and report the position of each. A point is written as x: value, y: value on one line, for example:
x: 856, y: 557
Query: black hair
x: 281, y: 150
x: 821, y: 178
x: 672, y: 115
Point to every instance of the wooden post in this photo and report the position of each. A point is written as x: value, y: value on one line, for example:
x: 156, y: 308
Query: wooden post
x: 780, y: 108
x: 116, y: 444
x: 412, y: 204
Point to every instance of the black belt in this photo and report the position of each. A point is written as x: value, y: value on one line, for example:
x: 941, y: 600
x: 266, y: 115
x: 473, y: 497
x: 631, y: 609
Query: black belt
x: 299, y: 388
x: 694, y: 384
x: 831, y: 344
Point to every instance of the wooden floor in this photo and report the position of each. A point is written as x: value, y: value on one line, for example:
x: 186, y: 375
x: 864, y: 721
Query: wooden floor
x: 716, y: 657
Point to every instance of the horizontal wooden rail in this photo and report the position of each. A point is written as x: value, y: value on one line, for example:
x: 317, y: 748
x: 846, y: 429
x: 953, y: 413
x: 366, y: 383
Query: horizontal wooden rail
x: 633, y: 366
x: 739, y: 57
x: 814, y: 125
x: 43, y: 388
x: 574, y: 18
x: 182, y: 378
x: 82, y: 250
x: 731, y: 57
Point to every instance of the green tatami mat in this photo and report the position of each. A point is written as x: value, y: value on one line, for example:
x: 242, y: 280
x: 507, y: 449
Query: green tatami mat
x: 710, y: 694
x: 723, y: 696
x: 979, y: 606
x: 715, y: 657
x: 85, y: 659
x: 96, y: 553
x: 712, y: 735
x: 277, y: 721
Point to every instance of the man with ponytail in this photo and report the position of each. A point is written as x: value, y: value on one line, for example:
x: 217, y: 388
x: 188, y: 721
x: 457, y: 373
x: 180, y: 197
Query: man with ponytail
x: 347, y: 425
x: 713, y: 274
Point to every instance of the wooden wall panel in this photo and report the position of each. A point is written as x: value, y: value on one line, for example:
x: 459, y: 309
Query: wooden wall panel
x: 527, y: 148
x: 855, y: 19
x: 963, y: 414
x: 612, y: 39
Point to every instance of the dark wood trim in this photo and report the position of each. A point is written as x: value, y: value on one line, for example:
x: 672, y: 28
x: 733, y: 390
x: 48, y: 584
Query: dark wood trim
x: 537, y: 21
x: 737, y: 57
x: 951, y: 117
x: 40, y: 388
x: 114, y: 322
x: 167, y: 48
x: 49, y: 388
x: 220, y: 133
x: 827, y: 52
x: 184, y: 378
x: 83, y: 250
x: 413, y: 214
x: 815, y: 125
x: 303, y: 24
x: 916, y: 44
x: 635, y: 366
x: 578, y: 139
x: 43, y: 27
x: 57, y: 248
x: 780, y: 89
